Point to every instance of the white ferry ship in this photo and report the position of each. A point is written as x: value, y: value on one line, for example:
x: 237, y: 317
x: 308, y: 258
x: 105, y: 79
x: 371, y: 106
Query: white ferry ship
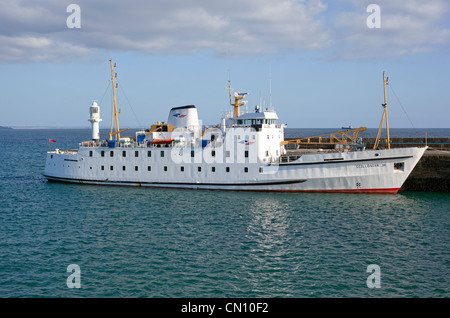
x: 245, y: 152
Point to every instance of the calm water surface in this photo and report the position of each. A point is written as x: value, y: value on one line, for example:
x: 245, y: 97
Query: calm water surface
x: 134, y: 242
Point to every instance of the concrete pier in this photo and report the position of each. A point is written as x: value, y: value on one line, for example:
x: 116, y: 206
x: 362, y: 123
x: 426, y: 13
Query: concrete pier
x: 431, y: 174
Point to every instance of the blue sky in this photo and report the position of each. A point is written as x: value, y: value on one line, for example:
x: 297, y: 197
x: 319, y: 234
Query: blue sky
x: 324, y: 63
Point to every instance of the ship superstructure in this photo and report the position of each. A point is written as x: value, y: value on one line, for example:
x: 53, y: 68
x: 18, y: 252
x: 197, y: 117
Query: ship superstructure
x: 246, y: 151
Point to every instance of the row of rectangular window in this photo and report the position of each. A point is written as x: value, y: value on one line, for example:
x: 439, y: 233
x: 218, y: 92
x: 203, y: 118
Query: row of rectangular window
x: 199, y: 169
x: 149, y: 153
x: 124, y: 153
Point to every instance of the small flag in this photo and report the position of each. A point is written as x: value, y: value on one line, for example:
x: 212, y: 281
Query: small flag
x: 51, y: 140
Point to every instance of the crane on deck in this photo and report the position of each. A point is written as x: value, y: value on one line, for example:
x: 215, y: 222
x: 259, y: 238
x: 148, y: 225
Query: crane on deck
x: 337, y: 138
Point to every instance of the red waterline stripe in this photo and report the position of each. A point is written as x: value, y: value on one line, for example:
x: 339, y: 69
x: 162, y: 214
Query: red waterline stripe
x: 380, y: 191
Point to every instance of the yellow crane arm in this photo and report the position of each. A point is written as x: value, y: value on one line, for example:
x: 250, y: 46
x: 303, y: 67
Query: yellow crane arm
x: 117, y: 132
x: 339, y: 137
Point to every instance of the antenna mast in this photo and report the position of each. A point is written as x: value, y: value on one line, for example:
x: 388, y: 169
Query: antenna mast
x: 237, y: 98
x: 115, y: 114
x: 270, y: 87
x: 229, y: 85
x: 385, y: 114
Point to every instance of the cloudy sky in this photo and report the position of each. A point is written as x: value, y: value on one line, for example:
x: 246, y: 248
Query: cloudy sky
x: 317, y: 62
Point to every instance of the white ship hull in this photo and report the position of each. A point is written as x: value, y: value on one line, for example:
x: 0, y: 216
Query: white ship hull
x: 372, y: 171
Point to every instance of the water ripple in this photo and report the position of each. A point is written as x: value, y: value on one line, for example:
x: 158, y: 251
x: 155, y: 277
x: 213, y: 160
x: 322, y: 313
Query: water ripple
x: 175, y: 243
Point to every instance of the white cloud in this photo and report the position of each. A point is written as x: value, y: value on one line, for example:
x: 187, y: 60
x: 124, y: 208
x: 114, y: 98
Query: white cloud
x: 407, y: 28
x: 38, y: 49
x: 239, y: 27
x: 37, y: 31
x: 162, y: 27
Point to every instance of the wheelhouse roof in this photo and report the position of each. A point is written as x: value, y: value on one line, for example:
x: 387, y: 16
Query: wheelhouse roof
x: 259, y: 115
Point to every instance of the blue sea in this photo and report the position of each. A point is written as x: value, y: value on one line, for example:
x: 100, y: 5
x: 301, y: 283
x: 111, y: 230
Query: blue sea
x: 158, y: 243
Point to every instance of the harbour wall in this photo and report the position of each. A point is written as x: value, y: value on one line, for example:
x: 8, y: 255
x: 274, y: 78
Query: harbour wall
x: 431, y: 174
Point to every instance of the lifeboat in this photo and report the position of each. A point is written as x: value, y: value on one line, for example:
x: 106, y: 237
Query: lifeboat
x: 161, y: 141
